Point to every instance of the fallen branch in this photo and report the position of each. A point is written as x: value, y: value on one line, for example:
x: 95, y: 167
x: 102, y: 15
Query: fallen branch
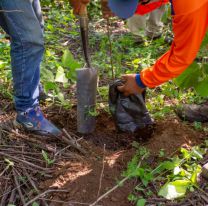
x: 102, y: 171
x: 18, y: 187
x: 42, y: 194
x: 33, y: 184
x: 118, y: 185
x: 25, y: 162
x: 72, y: 143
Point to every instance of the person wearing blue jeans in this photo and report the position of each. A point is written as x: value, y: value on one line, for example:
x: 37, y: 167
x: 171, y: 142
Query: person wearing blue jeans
x: 22, y: 21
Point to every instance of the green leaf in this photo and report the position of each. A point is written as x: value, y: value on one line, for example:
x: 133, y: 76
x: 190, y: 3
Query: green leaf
x: 141, y: 202
x: 174, y: 190
x: 46, y: 158
x: 60, y: 75
x: 186, y: 153
x: 47, y: 75
x: 195, y: 173
x: 50, y: 86
x: 35, y: 204
x: 132, y: 198
x: 202, y: 88
x: 189, y: 77
x: 69, y: 61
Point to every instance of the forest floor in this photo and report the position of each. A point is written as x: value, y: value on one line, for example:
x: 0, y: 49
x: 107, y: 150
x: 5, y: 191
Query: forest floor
x: 75, y: 169
x: 79, y: 179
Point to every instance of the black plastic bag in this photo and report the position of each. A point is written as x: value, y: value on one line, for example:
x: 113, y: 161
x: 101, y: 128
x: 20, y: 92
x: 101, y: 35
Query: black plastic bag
x: 130, y: 113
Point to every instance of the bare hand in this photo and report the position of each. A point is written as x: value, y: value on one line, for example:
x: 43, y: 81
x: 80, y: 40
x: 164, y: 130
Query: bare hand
x: 130, y: 86
x: 79, y: 6
x: 105, y: 9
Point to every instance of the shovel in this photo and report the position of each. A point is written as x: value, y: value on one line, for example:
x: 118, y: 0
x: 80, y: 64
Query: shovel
x: 86, y: 84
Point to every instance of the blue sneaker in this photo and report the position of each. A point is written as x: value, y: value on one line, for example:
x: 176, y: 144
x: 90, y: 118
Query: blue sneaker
x: 33, y: 120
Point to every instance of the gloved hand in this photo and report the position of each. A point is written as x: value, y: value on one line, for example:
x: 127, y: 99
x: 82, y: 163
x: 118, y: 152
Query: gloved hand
x: 130, y: 85
x: 105, y: 9
x: 79, y: 6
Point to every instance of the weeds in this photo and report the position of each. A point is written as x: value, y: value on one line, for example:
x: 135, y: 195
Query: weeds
x: 173, y: 177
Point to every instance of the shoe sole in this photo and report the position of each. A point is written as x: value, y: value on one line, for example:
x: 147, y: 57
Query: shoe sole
x: 20, y: 126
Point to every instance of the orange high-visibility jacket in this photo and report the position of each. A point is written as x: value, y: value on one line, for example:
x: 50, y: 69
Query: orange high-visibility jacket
x: 190, y: 24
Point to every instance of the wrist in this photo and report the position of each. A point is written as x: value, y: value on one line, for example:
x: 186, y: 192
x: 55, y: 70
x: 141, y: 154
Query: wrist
x: 139, y: 81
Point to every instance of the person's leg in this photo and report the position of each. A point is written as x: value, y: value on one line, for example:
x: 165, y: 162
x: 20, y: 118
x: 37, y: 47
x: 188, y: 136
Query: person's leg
x: 136, y: 24
x: 38, y: 12
x: 154, y: 24
x: 27, y: 48
x: 3, y: 23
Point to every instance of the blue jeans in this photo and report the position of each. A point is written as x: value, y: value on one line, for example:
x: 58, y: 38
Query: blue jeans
x: 25, y: 27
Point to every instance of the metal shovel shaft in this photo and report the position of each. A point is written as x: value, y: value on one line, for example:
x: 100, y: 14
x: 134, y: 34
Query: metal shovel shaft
x: 84, y: 38
x: 86, y: 85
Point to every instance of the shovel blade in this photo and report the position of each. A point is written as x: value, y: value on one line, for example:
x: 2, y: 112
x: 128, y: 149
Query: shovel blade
x: 86, y: 99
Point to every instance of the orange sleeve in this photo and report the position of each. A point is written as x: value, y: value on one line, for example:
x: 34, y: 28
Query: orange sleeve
x: 189, y: 31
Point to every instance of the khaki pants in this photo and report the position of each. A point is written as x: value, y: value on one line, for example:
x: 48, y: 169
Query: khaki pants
x: 150, y: 22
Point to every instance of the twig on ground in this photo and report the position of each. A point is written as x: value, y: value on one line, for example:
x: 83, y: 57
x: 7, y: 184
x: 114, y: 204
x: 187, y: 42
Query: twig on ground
x: 18, y: 186
x: 102, y: 171
x: 37, y: 143
x: 42, y: 194
x: 3, y: 200
x: 33, y: 184
x: 4, y: 197
x: 12, y: 197
x: 74, y: 145
x: 116, y: 186
x: 67, y: 202
x: 69, y: 136
x: 25, y: 162
x: 205, y: 199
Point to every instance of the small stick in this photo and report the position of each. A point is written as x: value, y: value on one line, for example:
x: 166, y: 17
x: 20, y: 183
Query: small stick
x: 116, y: 186
x: 42, y: 194
x: 69, y: 136
x: 102, y: 171
x: 191, y: 202
x: 18, y: 187
x: 39, y: 143
x: 12, y: 197
x: 69, y: 203
x: 204, y: 198
x: 33, y: 184
x: 73, y: 144
x: 110, y: 48
x: 3, y: 200
x: 23, y: 161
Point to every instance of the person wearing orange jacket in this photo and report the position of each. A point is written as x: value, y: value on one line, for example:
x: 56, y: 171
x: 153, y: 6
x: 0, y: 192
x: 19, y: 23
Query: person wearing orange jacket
x: 190, y: 24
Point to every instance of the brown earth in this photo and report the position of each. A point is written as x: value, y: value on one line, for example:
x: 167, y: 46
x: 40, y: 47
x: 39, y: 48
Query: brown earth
x: 108, y: 153
x: 81, y: 178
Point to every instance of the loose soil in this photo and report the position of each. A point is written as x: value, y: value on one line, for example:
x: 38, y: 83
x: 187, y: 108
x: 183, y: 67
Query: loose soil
x: 108, y: 153
x: 81, y: 179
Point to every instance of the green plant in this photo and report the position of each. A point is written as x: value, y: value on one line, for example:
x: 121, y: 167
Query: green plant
x: 46, y: 158
x: 198, y: 126
x: 179, y: 174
